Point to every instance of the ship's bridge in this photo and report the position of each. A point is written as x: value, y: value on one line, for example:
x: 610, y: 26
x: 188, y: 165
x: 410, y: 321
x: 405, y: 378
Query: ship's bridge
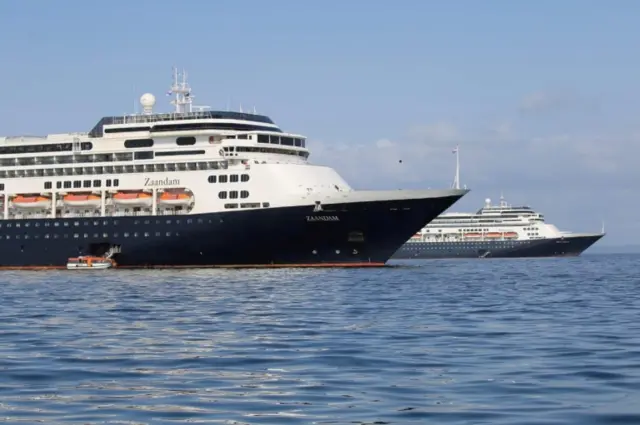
x: 178, y: 121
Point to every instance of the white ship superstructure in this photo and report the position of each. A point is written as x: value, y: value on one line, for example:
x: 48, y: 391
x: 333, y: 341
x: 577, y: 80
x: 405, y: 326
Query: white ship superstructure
x: 489, y: 223
x: 151, y: 164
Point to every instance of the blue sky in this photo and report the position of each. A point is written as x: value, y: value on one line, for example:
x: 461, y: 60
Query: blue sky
x: 543, y: 97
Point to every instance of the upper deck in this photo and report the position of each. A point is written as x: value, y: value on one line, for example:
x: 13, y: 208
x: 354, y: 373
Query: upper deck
x: 185, y: 121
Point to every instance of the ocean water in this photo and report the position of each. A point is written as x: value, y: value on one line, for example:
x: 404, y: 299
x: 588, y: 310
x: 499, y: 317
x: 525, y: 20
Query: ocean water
x: 550, y: 341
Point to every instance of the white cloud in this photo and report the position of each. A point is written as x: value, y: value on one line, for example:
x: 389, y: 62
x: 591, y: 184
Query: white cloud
x: 436, y: 133
x: 503, y: 131
x: 385, y: 143
x: 537, y: 101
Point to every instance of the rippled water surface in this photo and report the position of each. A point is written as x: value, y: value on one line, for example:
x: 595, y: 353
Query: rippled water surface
x: 554, y: 341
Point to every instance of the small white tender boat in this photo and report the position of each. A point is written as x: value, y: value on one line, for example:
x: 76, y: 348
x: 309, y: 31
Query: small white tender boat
x: 89, y: 263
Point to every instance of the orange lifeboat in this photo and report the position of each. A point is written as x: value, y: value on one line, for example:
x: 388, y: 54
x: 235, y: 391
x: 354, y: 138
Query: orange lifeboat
x: 511, y: 235
x: 494, y: 235
x: 136, y: 199
x: 472, y: 235
x: 31, y: 202
x: 175, y: 198
x: 82, y: 200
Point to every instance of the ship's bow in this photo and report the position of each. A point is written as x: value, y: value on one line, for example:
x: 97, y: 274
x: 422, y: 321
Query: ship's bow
x: 371, y: 226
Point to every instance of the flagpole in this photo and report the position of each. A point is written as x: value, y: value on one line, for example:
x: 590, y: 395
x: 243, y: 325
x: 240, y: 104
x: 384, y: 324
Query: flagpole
x: 456, y: 182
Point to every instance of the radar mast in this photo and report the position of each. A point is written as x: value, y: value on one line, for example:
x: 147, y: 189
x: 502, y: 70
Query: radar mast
x: 181, y: 91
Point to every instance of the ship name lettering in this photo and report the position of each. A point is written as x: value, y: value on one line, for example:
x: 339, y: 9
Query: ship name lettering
x: 161, y: 182
x: 323, y: 218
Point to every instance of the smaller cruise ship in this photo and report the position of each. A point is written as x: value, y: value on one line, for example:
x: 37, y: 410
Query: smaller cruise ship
x: 499, y: 231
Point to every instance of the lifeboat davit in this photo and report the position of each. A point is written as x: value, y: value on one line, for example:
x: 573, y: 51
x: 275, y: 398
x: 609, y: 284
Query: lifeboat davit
x: 175, y: 198
x: 31, y: 202
x: 136, y: 199
x: 82, y: 200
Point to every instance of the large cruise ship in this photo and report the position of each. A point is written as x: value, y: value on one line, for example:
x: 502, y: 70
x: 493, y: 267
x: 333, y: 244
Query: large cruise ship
x: 194, y: 188
x: 499, y: 230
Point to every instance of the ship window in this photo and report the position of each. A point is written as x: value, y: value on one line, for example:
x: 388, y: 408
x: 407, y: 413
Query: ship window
x: 86, y: 146
x: 233, y: 178
x: 174, y: 153
x: 222, y: 179
x: 116, y: 182
x: 97, y: 183
x: 275, y: 140
x: 233, y: 194
x: 143, y: 155
x: 138, y: 143
x: 58, y: 185
x: 231, y: 206
x: 185, y: 141
x: 47, y: 185
x: 108, y: 182
x: 222, y: 195
x: 288, y: 141
x: 297, y: 142
x: 212, y: 179
x: 263, y: 138
x: 67, y: 185
x: 244, y: 194
x: 59, y: 147
x: 86, y: 183
x: 265, y: 205
x: 250, y: 205
x: 244, y: 178
x: 77, y: 184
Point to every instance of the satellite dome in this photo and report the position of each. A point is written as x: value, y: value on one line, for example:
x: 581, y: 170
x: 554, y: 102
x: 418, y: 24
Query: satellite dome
x: 147, y: 100
x: 488, y: 201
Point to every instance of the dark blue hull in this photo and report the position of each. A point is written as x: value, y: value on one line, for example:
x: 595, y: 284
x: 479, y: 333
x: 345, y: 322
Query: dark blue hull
x: 362, y: 233
x: 556, y: 247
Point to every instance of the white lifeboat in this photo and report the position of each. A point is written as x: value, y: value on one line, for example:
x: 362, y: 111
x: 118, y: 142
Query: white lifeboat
x: 175, y: 198
x: 135, y: 199
x: 31, y: 202
x: 82, y: 200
